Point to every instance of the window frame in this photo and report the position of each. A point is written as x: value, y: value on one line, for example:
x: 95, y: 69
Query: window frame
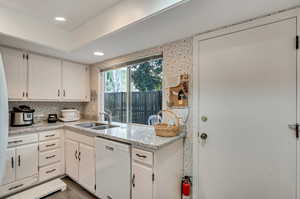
x: 128, y: 66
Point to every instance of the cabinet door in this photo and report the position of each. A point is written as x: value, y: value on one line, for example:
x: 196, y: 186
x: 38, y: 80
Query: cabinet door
x: 75, y: 81
x: 71, y: 157
x: 27, y: 161
x: 44, y: 78
x: 87, y: 173
x: 142, y: 184
x: 87, y: 85
x: 15, y: 66
x: 10, y: 168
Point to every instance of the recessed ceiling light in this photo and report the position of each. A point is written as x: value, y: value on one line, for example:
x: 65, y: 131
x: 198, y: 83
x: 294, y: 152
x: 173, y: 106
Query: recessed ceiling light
x: 60, y: 19
x: 98, y: 53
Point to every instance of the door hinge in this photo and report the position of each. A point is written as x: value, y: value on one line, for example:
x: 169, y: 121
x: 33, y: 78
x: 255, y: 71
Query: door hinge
x: 296, y: 128
x: 27, y: 56
x: 297, y: 42
x: 153, y: 177
x: 95, y: 186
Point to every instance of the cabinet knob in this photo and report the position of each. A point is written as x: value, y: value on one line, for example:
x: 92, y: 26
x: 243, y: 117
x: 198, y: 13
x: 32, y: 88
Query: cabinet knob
x: 203, y: 136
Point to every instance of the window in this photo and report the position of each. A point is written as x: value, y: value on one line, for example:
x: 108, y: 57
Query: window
x: 134, y: 92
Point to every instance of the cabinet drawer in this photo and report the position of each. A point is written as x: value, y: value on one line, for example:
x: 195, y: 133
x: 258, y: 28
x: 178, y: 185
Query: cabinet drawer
x: 19, y: 140
x: 17, y: 186
x: 49, y: 135
x: 89, y: 140
x: 49, y: 172
x: 49, y: 157
x: 48, y: 145
x: 142, y: 156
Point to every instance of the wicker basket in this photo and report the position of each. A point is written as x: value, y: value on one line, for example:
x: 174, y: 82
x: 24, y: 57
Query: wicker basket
x: 165, y: 130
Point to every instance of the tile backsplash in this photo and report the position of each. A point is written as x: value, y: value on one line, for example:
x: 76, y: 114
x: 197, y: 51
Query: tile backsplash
x: 45, y: 108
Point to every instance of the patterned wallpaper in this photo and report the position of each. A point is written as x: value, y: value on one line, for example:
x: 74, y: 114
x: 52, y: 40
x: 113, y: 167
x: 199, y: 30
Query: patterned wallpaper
x: 178, y: 59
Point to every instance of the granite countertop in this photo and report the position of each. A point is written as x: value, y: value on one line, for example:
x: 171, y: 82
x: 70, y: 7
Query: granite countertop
x: 43, y: 126
x: 134, y: 134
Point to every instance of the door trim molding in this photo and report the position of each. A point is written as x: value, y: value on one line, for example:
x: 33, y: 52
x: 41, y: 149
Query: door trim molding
x: 280, y: 16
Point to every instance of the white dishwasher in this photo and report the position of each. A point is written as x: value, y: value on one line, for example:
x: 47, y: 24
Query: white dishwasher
x: 113, y: 169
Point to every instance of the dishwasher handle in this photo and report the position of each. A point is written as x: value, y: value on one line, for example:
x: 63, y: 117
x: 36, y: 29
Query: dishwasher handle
x: 109, y: 148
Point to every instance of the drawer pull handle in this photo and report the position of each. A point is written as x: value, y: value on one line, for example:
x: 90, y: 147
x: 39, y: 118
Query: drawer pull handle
x: 76, y: 154
x: 50, y: 171
x: 109, y: 148
x: 15, y: 142
x: 141, y: 156
x: 15, y: 187
x: 49, y: 157
x: 19, y: 160
x: 12, y: 162
x: 108, y: 197
x: 49, y: 145
x: 47, y: 136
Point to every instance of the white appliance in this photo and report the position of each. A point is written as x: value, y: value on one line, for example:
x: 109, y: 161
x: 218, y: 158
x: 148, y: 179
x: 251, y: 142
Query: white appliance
x: 70, y: 115
x: 3, y: 118
x: 113, y: 169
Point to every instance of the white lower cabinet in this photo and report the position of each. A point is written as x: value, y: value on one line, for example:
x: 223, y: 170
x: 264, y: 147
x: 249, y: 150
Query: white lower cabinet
x: 142, y: 182
x: 21, y: 167
x: 10, y: 174
x: 87, y: 167
x: 49, y: 172
x: 51, y: 154
x: 71, y: 153
x: 80, y: 160
x: 27, y: 161
x: 157, y: 174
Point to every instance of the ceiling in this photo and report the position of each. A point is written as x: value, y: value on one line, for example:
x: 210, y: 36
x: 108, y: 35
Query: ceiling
x: 76, y: 12
x: 128, y: 26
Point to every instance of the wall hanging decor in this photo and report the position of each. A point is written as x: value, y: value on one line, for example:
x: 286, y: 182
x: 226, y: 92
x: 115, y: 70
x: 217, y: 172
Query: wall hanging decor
x: 178, y: 95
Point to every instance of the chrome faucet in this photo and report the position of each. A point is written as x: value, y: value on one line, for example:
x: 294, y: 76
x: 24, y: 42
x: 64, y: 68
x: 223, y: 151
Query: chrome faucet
x: 108, y: 114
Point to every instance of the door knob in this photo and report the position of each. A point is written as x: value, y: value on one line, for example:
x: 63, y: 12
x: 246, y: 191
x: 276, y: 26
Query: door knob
x: 203, y: 136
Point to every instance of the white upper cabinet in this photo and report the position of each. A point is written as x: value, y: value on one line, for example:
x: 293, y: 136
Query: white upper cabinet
x: 15, y: 64
x: 44, y: 75
x: 40, y: 78
x: 75, y: 83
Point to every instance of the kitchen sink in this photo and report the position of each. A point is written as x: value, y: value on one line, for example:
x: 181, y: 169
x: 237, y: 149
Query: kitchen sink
x: 104, y: 127
x: 96, y: 125
x: 91, y: 124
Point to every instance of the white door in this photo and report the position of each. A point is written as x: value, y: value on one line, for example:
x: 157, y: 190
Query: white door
x: 10, y: 167
x: 247, y: 91
x: 71, y: 157
x: 15, y: 65
x: 87, y: 163
x: 142, y: 184
x: 44, y: 78
x: 75, y: 79
x: 26, y: 161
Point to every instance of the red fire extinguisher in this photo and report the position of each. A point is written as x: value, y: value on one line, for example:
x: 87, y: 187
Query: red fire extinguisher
x: 186, y: 187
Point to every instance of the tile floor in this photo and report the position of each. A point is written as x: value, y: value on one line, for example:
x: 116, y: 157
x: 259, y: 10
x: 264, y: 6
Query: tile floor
x: 74, y: 191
